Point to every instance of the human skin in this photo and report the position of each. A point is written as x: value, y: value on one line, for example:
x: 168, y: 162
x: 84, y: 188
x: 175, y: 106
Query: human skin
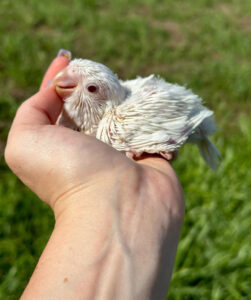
x: 117, y: 221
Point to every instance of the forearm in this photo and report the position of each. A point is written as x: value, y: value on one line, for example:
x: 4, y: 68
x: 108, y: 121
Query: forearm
x: 70, y: 265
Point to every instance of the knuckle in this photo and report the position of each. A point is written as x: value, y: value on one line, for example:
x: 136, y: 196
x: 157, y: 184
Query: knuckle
x: 168, y: 193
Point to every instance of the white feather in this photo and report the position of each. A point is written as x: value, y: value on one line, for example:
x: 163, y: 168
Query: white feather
x: 141, y: 115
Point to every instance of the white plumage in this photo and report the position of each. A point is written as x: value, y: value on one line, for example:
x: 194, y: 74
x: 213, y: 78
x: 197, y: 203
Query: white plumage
x: 141, y: 115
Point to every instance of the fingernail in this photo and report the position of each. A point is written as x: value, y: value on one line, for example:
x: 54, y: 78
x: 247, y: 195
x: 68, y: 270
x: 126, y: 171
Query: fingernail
x: 48, y: 83
x: 65, y: 53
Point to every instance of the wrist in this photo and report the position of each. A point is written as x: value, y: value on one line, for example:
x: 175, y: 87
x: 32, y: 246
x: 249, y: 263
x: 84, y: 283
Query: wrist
x: 98, y: 194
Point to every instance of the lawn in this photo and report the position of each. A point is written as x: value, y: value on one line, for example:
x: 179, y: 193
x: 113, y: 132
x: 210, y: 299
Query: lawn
x: 205, y: 45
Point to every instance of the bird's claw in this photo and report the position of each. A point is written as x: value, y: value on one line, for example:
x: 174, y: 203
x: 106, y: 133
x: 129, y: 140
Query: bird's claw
x: 169, y: 155
x: 132, y: 155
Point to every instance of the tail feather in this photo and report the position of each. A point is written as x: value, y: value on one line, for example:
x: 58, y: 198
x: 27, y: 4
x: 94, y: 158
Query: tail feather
x: 209, y: 152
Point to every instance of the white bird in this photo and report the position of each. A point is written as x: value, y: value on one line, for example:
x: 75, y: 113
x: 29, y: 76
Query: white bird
x: 134, y: 116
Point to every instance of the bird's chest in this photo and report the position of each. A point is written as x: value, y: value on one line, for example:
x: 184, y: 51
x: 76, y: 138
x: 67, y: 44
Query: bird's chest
x: 111, y: 131
x: 90, y: 131
x: 85, y: 117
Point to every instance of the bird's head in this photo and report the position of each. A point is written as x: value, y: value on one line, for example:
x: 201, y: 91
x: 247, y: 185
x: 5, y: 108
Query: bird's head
x: 87, y: 88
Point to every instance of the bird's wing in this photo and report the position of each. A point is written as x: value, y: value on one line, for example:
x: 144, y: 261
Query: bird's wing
x: 157, y: 116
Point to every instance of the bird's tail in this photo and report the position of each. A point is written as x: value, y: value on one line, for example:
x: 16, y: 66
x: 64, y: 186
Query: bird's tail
x: 209, y: 152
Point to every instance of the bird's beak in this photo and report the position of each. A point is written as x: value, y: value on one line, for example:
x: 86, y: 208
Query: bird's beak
x: 65, y: 83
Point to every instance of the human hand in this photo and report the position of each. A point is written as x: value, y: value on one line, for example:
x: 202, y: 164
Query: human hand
x: 99, y: 197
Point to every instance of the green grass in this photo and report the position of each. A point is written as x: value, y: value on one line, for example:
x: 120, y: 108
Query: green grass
x: 203, y: 44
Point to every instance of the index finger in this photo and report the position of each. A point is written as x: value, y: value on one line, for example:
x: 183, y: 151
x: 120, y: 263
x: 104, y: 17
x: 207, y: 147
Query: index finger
x: 60, y: 62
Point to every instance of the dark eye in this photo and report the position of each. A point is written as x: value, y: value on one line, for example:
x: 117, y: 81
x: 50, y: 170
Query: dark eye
x: 92, y: 88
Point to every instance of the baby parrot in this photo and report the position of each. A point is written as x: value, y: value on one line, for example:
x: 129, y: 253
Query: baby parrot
x: 134, y: 116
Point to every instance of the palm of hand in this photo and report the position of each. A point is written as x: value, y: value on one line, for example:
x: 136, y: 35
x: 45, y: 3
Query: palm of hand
x: 65, y: 161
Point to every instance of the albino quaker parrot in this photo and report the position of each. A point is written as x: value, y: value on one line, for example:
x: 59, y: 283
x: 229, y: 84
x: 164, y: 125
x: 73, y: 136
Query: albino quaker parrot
x: 135, y: 116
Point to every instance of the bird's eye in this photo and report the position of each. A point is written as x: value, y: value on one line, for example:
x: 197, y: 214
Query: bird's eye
x: 92, y: 88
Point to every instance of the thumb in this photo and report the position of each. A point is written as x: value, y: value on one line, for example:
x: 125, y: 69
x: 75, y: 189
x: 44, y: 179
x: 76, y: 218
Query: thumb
x: 45, y: 106
x: 41, y: 109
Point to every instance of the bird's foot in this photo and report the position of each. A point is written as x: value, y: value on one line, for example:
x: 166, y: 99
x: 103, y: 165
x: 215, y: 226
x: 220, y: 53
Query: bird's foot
x: 169, y: 155
x: 132, y: 155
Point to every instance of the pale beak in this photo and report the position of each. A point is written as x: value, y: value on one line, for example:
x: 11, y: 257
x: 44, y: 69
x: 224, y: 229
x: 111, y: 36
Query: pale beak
x: 65, y: 83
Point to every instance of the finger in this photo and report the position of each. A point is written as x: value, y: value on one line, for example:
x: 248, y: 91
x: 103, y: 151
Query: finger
x: 41, y: 109
x: 157, y: 162
x: 60, y: 62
